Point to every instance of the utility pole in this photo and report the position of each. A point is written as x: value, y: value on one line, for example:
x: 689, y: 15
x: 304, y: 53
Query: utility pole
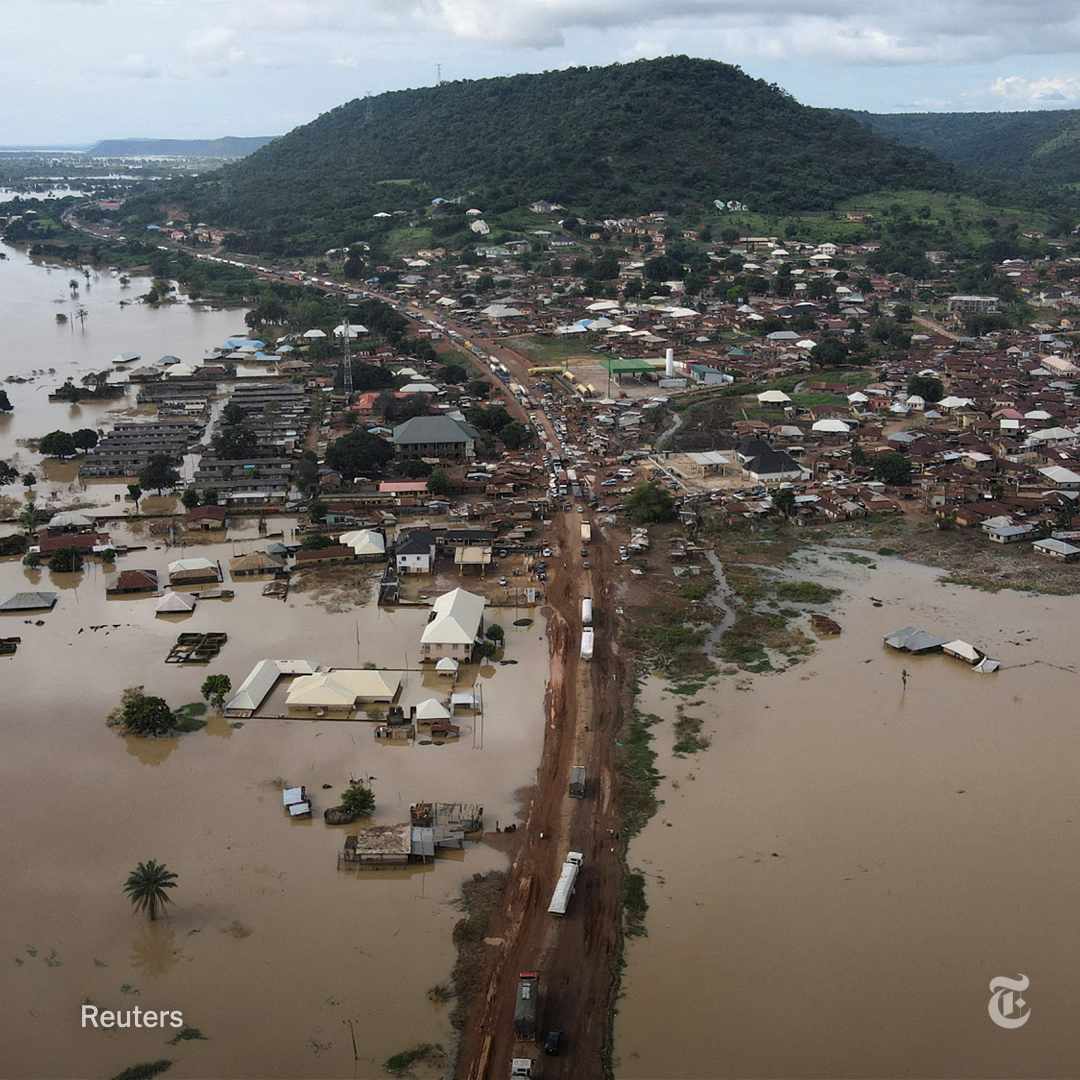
x: 346, y: 370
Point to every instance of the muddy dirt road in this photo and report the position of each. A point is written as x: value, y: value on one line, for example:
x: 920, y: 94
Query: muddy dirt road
x: 574, y: 955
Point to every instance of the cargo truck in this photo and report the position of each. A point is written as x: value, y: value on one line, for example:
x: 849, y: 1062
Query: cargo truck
x: 586, y: 611
x: 526, y: 1006
x: 586, y: 643
x: 521, y: 1068
x: 577, y: 782
x: 564, y: 888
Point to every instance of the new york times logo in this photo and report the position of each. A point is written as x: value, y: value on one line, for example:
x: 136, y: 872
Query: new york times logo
x: 1007, y: 1008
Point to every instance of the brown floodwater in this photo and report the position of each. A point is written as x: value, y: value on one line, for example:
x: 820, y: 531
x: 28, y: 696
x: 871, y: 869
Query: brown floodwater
x: 31, y: 296
x: 269, y: 950
x: 836, y: 880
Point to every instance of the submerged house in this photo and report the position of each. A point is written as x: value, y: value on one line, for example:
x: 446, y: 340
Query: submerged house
x: 455, y: 625
x: 253, y: 691
x: 342, y: 690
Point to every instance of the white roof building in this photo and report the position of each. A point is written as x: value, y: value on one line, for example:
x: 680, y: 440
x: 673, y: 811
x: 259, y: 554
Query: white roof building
x: 260, y: 681
x: 364, y: 542
x: 456, y: 620
x: 773, y: 397
x: 342, y: 689
x: 175, y: 603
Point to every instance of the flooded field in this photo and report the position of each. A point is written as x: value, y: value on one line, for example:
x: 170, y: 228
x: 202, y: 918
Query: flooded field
x: 31, y: 296
x: 269, y: 949
x: 834, y: 882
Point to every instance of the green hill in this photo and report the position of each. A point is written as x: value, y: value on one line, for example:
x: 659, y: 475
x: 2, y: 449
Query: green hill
x: 229, y: 147
x: 1040, y: 145
x: 671, y: 134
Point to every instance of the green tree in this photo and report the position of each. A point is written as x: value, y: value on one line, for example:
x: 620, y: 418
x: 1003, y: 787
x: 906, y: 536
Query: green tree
x: 892, y: 469
x: 142, y: 714
x: 438, y: 482
x: 215, y: 689
x: 927, y: 387
x: 649, y: 503
x: 66, y: 561
x: 514, y: 436
x: 159, y: 473
x: 358, y: 800
x: 452, y: 373
x: 784, y: 501
x: 85, y: 438
x: 8, y: 474
x: 29, y: 516
x: 190, y: 498
x: 136, y: 493
x: 147, y: 887
x: 495, y: 633
x: 358, y: 453
x: 57, y: 444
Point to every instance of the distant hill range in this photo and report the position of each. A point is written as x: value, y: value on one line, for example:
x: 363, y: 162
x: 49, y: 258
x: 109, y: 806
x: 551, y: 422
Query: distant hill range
x: 1042, y: 145
x: 671, y: 134
x: 228, y: 147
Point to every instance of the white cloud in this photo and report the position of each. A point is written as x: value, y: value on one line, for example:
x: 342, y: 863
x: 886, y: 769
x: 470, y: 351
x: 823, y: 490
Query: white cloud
x: 138, y: 66
x: 1050, y: 88
x: 869, y: 31
x: 214, y: 49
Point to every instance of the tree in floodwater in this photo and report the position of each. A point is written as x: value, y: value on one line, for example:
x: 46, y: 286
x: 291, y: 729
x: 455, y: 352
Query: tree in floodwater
x: 215, y: 689
x: 146, y: 887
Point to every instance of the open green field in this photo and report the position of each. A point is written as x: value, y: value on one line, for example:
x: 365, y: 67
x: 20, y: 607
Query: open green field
x: 554, y: 350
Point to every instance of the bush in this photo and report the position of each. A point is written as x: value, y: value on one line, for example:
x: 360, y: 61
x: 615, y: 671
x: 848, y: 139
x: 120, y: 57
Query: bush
x: 650, y: 503
x: 358, y: 800
x: 66, y: 561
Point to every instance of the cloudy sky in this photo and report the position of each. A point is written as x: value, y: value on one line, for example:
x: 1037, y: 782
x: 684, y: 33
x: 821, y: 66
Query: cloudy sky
x: 79, y: 70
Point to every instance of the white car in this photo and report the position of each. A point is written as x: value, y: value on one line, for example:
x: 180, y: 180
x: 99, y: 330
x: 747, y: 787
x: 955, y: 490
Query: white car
x: 546, y: 553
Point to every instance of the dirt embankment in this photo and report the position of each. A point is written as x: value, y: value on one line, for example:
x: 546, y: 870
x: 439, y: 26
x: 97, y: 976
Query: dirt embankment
x: 575, y: 955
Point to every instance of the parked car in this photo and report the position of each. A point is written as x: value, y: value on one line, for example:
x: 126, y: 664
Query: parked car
x: 552, y: 1042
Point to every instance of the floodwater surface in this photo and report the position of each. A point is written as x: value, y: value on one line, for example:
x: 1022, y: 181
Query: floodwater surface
x: 275, y: 955
x: 836, y: 880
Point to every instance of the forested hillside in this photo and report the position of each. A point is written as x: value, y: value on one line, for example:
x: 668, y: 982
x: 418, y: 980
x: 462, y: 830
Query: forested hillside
x: 673, y: 134
x: 1040, y: 145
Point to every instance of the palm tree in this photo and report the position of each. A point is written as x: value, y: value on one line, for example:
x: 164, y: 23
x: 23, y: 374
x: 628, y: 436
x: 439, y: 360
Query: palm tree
x: 146, y: 885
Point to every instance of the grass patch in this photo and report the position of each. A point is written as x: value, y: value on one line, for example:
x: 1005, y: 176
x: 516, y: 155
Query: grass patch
x: 638, y: 776
x: 187, y: 1034
x: 553, y: 350
x: 887, y: 551
x: 754, y: 635
x: 856, y: 559
x: 695, y: 589
x: 805, y: 592
x: 688, y: 737
x: 400, y: 1064
x: 635, y: 904
x: 145, y: 1070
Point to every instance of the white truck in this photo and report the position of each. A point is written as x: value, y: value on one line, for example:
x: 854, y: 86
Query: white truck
x: 586, y: 533
x: 586, y: 643
x: 521, y: 1067
x: 586, y: 611
x: 564, y: 888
